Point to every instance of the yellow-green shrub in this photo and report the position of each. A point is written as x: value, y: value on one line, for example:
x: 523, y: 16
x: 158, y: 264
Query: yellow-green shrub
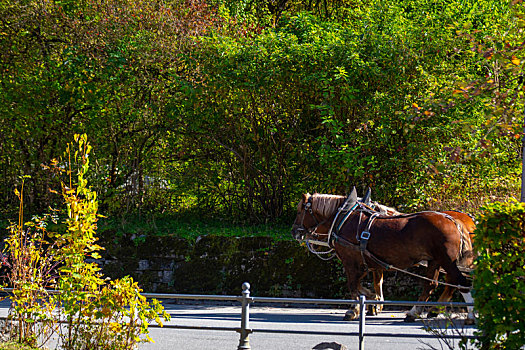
x: 97, y: 313
x: 499, y: 282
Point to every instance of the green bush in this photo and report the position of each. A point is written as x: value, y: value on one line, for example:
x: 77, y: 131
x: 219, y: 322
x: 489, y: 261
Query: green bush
x: 500, y: 276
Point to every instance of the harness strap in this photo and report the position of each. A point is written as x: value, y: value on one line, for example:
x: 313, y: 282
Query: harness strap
x: 337, y: 223
x: 364, y: 237
x: 347, y: 244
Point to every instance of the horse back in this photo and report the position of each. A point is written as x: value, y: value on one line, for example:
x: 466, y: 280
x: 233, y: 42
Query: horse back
x: 408, y: 239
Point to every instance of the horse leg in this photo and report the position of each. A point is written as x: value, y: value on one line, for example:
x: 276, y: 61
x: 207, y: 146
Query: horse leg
x: 371, y: 309
x: 378, y: 293
x: 428, y: 288
x: 454, y: 276
x: 378, y: 288
x: 445, y: 296
x: 467, y: 296
x: 353, y: 278
x: 471, y: 319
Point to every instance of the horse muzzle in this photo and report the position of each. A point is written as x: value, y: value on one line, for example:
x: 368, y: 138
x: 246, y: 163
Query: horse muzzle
x: 298, y: 232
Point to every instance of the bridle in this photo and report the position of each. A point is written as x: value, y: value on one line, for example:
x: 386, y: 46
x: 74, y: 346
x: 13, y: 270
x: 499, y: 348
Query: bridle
x: 308, y: 234
x: 308, y: 208
x: 343, y: 213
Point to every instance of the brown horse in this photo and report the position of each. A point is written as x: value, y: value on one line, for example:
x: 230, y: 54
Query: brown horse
x: 429, y: 286
x: 397, y: 241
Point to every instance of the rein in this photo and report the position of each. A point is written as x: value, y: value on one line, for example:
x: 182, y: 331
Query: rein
x: 320, y: 254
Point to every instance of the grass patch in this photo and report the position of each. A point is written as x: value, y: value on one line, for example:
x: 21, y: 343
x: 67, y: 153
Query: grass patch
x: 15, y: 346
x: 192, y: 226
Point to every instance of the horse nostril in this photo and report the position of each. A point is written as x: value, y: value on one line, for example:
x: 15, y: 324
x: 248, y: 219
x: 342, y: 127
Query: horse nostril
x: 298, y: 232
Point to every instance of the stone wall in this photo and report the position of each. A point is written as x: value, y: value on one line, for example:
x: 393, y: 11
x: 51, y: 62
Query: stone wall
x: 219, y: 265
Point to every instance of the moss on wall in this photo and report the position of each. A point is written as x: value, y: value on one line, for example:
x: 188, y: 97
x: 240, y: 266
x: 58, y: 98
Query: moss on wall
x: 219, y: 265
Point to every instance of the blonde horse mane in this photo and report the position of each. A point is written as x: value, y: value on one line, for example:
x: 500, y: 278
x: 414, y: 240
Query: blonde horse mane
x: 384, y: 210
x: 326, y: 204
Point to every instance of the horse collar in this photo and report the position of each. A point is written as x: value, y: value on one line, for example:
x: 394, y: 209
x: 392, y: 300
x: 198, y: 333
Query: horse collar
x: 343, y: 213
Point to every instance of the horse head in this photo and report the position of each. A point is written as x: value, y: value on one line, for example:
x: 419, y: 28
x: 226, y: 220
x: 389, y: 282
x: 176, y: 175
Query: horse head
x: 316, y: 212
x: 304, y: 219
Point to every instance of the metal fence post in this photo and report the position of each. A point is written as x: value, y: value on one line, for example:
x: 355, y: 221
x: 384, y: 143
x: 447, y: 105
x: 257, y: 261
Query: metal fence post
x: 244, y: 342
x: 362, y: 318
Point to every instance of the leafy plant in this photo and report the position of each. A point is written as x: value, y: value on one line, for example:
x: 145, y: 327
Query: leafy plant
x: 98, y: 314
x: 31, y: 272
x: 450, y: 333
x: 234, y: 108
x: 499, y: 276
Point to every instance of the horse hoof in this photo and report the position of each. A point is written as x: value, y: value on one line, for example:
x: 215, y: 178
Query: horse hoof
x: 470, y: 321
x: 432, y: 314
x: 372, y: 311
x: 410, y: 318
x: 350, y: 316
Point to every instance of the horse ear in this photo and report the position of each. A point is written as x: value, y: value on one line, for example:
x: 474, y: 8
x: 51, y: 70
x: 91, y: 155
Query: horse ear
x: 353, y: 195
x: 305, y: 197
x: 366, y: 198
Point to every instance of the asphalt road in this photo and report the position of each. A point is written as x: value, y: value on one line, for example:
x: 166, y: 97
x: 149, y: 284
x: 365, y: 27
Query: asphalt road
x: 270, y: 323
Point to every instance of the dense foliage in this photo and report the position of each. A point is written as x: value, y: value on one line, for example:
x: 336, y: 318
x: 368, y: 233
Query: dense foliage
x: 236, y: 107
x: 499, y: 276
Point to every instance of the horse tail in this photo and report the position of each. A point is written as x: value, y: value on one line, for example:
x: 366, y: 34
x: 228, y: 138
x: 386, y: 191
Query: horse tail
x: 472, y: 217
x: 465, y: 256
x: 466, y: 252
